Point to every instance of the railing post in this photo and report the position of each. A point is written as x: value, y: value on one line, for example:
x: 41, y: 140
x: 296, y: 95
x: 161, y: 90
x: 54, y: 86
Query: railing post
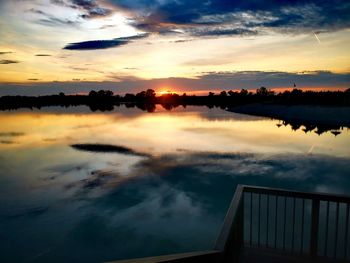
x: 230, y: 240
x: 315, y: 211
x: 240, y: 238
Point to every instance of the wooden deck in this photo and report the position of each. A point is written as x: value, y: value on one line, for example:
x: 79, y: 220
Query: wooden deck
x: 260, y: 255
x: 277, y: 225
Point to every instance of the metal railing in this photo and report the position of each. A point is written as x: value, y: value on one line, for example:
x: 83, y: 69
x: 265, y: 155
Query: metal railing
x: 310, y: 224
x: 292, y: 223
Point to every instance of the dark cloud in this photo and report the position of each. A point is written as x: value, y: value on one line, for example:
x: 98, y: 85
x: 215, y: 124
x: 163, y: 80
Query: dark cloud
x: 106, y: 148
x: 8, y: 61
x: 90, y: 8
x: 43, y: 55
x: 238, y: 16
x: 95, y: 44
x: 103, y: 44
x: 224, y: 32
x: 34, y: 79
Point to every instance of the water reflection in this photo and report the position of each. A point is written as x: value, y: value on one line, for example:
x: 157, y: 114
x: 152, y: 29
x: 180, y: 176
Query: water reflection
x: 306, y: 127
x: 162, y: 186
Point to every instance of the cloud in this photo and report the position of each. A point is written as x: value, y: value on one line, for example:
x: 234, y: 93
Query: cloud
x: 5, y: 52
x: 48, y: 19
x: 54, y: 21
x: 8, y: 61
x: 90, y: 8
x: 237, y: 16
x: 37, y: 11
x: 103, y: 44
x: 43, y: 55
x: 202, y: 174
x: 224, y: 32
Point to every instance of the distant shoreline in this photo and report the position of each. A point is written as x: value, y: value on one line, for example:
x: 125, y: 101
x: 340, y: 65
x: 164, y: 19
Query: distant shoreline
x: 105, y: 100
x: 304, y: 114
x: 319, y: 112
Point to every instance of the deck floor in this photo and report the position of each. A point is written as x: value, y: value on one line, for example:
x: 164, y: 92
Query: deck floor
x: 260, y: 255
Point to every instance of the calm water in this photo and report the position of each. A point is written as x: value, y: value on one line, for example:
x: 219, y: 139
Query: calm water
x: 168, y: 193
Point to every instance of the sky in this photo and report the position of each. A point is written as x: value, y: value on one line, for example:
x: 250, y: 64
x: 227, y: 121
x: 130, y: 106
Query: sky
x: 48, y: 46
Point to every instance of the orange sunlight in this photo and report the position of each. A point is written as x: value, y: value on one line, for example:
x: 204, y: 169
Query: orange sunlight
x: 165, y: 92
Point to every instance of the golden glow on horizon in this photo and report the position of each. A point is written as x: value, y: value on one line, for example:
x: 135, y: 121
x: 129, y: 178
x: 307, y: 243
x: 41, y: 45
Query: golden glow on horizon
x: 165, y: 92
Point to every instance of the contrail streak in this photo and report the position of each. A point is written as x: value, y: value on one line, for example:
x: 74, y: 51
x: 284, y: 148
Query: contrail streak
x: 309, y: 152
x: 319, y: 41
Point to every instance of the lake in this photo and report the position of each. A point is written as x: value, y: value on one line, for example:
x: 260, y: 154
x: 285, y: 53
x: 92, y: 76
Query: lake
x: 82, y: 186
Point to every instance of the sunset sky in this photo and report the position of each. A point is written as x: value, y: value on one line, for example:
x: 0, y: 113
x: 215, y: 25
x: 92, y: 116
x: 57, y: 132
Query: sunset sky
x: 47, y: 46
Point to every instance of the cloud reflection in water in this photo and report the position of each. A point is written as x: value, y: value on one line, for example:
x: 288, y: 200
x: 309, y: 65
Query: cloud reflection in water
x: 60, y: 204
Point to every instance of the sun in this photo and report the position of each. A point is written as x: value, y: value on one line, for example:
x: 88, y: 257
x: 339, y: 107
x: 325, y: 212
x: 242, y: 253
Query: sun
x: 165, y: 92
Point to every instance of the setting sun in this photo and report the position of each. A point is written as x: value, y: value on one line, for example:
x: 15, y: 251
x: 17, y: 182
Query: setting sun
x: 165, y: 92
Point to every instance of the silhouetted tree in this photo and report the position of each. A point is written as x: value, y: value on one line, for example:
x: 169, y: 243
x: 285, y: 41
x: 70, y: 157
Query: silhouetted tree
x: 262, y: 91
x: 105, y: 93
x: 244, y: 92
x: 231, y: 93
x: 92, y: 93
x: 211, y: 94
x: 109, y: 93
x: 150, y: 93
x: 129, y: 97
x: 141, y: 95
x: 296, y: 92
x: 223, y: 93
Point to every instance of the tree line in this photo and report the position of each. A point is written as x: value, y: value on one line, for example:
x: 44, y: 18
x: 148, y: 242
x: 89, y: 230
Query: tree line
x: 106, y: 100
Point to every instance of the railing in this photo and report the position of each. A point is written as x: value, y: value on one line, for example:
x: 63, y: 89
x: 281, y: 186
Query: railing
x: 292, y: 223
x: 311, y: 224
